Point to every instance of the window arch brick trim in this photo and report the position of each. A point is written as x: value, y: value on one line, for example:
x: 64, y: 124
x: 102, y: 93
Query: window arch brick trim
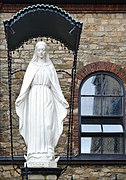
x: 102, y: 66
x: 81, y: 74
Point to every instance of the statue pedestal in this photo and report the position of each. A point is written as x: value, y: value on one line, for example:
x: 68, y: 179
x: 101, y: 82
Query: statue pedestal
x: 39, y: 164
x: 40, y: 173
x: 40, y: 160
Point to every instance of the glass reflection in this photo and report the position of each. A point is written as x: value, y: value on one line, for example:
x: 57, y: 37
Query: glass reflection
x: 90, y: 106
x: 112, y: 106
x: 110, y: 86
x: 102, y: 95
x: 101, y: 128
x: 90, y: 128
x: 101, y: 106
x: 91, y: 145
x: 112, y: 145
x: 86, y: 145
x: 92, y: 86
x: 101, y: 85
x: 112, y: 128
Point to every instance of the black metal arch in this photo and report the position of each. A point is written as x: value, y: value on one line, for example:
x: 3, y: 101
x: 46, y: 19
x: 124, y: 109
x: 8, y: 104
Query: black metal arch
x: 42, y: 20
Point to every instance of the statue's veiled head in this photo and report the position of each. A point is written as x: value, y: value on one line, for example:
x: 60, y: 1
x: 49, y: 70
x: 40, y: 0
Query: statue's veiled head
x: 40, y: 52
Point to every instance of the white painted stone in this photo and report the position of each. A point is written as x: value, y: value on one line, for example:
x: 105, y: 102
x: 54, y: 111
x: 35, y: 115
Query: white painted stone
x: 40, y: 160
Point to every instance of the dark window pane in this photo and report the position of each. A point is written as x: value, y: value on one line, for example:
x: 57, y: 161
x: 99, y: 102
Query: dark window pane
x: 92, y: 86
x: 110, y: 86
x: 112, y: 106
x: 90, y: 106
x: 112, y: 145
x: 91, y: 145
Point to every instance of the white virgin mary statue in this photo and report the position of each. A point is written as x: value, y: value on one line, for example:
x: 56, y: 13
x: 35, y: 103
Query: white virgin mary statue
x: 41, y: 108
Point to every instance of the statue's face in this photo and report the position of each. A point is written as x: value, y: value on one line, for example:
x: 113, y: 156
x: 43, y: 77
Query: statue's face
x: 41, y: 51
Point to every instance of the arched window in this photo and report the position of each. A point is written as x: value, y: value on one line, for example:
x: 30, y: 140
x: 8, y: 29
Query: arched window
x: 101, y: 114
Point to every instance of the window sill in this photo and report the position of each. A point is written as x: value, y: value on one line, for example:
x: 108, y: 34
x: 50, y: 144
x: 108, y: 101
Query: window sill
x: 96, y: 159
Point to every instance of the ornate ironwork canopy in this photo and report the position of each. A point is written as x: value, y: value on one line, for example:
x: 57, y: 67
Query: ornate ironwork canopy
x: 42, y: 20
